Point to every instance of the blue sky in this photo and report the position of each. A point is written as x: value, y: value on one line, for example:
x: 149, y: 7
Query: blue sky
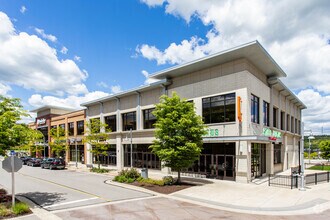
x: 75, y: 51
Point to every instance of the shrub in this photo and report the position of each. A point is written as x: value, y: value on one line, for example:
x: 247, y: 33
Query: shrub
x: 121, y: 179
x: 168, y: 180
x: 4, y: 211
x: 20, y: 208
x: 99, y: 170
x: 130, y: 173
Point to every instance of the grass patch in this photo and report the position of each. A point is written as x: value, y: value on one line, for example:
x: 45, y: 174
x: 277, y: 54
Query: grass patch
x: 4, y: 211
x: 320, y: 167
x: 20, y: 208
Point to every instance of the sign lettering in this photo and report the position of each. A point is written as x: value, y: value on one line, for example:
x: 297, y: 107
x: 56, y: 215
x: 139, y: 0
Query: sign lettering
x: 270, y: 133
x: 41, y: 121
x: 212, y: 132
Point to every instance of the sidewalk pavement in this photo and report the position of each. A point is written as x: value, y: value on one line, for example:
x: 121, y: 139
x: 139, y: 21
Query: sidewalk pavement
x: 256, y: 197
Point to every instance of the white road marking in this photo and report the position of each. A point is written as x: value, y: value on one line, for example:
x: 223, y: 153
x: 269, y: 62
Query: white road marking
x: 71, y: 202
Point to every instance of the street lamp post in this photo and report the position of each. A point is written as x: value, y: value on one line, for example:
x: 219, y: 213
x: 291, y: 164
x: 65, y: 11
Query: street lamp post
x: 131, y: 148
x: 302, y: 162
x: 76, y: 152
x: 44, y: 146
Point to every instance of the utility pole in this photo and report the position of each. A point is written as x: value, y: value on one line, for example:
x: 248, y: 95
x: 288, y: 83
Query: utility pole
x: 131, y: 148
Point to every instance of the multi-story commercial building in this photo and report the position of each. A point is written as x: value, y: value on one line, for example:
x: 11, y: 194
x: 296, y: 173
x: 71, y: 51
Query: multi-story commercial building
x: 253, y: 119
x: 72, y: 121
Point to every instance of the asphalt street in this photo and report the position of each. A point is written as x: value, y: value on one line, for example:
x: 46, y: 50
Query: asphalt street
x: 62, y: 189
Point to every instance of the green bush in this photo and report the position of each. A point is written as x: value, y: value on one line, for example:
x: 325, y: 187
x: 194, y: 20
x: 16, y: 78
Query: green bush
x: 168, y: 180
x: 97, y: 170
x: 127, y: 176
x: 4, y: 211
x: 130, y: 173
x: 20, y: 208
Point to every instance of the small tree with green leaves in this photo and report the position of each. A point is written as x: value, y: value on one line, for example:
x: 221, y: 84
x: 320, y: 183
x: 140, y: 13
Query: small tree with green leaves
x: 179, y: 132
x: 32, y: 138
x: 12, y: 134
x: 325, y: 149
x: 96, y: 137
x: 58, y: 142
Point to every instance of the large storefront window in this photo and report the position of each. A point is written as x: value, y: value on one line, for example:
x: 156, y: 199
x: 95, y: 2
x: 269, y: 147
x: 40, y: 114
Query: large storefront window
x: 79, y: 153
x: 70, y: 128
x: 266, y: 113
x: 129, y: 121
x: 110, y: 158
x: 219, y: 109
x: 254, y: 109
x: 111, y: 122
x: 142, y: 156
x: 80, y: 127
x: 217, y: 160
x: 148, y: 118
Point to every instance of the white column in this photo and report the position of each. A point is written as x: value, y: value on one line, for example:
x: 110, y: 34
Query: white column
x: 270, y: 158
x: 138, y: 112
x: 120, y: 153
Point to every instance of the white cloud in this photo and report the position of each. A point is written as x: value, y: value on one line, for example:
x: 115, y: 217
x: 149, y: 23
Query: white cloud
x: 317, y: 114
x: 28, y: 61
x: 42, y: 33
x: 148, y: 80
x: 23, y: 9
x: 116, y: 89
x: 153, y: 3
x: 77, y: 58
x: 71, y: 101
x: 296, y: 33
x: 4, y: 89
x: 64, y: 50
x: 103, y: 85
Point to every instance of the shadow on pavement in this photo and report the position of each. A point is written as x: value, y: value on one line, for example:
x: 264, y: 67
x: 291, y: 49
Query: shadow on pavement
x: 44, y: 198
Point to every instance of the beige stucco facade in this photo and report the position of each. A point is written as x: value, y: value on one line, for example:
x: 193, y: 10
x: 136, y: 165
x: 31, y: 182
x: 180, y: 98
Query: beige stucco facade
x: 245, y: 72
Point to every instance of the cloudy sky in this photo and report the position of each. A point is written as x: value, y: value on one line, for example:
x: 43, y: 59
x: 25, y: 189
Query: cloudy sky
x: 67, y: 52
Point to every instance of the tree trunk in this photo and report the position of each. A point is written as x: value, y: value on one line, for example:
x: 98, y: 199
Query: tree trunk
x: 98, y: 161
x: 179, y: 177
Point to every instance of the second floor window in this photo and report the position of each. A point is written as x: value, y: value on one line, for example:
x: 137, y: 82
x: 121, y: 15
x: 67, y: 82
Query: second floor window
x: 111, y: 122
x: 266, y: 113
x: 62, y: 130
x: 219, y: 109
x: 275, y: 117
x: 129, y: 121
x: 80, y: 127
x: 70, y: 128
x: 148, y: 118
x: 282, y: 120
x: 254, y: 109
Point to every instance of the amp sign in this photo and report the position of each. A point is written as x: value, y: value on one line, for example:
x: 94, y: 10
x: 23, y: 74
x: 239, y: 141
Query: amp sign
x: 41, y: 121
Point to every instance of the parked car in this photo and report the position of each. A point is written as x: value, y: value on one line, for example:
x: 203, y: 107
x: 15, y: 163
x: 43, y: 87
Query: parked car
x: 25, y: 159
x: 34, y: 162
x: 53, y: 163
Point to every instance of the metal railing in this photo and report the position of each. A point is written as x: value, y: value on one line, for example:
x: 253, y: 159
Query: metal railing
x: 283, y: 180
x: 316, y: 178
x: 291, y: 181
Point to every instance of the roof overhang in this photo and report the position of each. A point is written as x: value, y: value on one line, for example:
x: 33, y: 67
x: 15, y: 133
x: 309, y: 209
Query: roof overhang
x: 286, y: 92
x: 253, y: 51
x: 160, y: 83
x: 46, y: 107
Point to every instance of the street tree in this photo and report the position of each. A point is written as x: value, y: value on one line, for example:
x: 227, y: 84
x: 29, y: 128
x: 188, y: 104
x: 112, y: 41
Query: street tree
x: 96, y: 137
x: 179, y: 132
x: 325, y: 149
x: 58, y: 141
x: 12, y: 134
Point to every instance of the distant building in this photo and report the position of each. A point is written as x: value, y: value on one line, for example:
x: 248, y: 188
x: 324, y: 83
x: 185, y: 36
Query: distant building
x: 73, y: 121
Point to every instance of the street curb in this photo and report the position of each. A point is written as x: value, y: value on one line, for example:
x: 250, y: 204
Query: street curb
x: 38, y: 211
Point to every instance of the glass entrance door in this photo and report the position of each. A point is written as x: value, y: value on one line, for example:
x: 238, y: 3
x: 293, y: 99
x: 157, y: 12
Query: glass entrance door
x: 225, y: 167
x: 258, y: 159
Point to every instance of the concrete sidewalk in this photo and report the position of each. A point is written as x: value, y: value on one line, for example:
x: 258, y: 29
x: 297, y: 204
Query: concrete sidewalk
x: 257, y: 198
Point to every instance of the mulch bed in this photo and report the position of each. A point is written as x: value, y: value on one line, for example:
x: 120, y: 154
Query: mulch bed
x: 7, y: 199
x: 167, y: 189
